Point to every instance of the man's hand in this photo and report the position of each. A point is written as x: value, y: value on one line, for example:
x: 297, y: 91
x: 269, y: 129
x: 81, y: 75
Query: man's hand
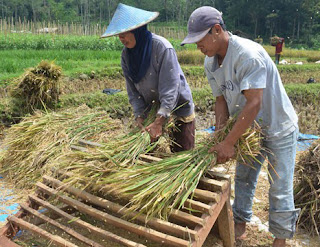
x: 139, y: 122
x: 225, y: 151
x: 155, y: 129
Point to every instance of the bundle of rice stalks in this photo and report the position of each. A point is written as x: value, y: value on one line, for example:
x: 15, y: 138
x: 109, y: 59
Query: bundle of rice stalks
x: 274, y: 40
x: 307, y: 189
x: 36, y: 140
x: 156, y: 189
x: 91, y: 167
x: 39, y: 86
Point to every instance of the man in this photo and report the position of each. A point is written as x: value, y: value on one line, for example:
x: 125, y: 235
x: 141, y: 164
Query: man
x: 279, y: 49
x: 245, y: 81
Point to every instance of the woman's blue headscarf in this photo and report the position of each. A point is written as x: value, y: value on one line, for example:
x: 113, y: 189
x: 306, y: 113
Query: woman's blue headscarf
x: 140, y: 55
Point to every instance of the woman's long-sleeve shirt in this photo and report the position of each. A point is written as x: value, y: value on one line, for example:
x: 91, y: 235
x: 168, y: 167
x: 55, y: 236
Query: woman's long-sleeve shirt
x: 164, y: 82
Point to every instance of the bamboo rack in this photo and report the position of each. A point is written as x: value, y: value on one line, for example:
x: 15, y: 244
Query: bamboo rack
x: 210, y: 204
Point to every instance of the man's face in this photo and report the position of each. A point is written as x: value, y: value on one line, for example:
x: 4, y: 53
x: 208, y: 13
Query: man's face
x: 209, y: 44
x: 128, y: 39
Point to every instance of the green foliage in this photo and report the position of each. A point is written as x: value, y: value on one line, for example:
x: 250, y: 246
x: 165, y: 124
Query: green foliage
x: 72, y: 61
x: 296, y: 20
x: 299, y: 68
x: 58, y: 42
x: 304, y: 93
x: 67, y: 42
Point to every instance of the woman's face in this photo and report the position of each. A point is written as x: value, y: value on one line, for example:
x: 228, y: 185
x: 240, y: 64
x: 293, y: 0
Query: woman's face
x: 128, y: 39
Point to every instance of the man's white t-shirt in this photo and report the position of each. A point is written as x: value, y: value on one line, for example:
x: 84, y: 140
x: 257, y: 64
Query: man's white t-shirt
x: 248, y: 66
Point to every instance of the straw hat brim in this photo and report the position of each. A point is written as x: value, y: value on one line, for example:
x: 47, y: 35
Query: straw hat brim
x: 127, y: 18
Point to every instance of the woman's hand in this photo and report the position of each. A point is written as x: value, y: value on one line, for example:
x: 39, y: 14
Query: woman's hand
x: 155, y: 129
x: 139, y: 122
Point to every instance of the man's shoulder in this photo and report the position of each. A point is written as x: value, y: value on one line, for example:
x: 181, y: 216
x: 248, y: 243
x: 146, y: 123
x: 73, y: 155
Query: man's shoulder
x: 246, y: 49
x: 245, y: 44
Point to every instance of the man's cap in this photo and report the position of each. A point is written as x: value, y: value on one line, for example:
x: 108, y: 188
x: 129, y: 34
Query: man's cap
x: 200, y: 22
x: 127, y: 18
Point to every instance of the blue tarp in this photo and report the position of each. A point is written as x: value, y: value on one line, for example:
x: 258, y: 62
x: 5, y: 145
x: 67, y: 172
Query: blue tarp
x: 111, y: 91
x: 305, y: 141
x: 6, y: 209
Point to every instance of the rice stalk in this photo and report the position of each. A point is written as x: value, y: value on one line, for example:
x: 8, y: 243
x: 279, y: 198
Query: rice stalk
x: 307, y: 189
x: 112, y: 156
x: 156, y: 189
x: 39, y: 87
x: 38, y: 139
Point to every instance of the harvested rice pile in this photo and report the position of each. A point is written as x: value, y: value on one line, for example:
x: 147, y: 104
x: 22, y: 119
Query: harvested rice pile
x: 157, y: 188
x: 307, y: 189
x: 41, y: 143
x: 91, y: 167
x: 39, y: 87
x: 38, y: 139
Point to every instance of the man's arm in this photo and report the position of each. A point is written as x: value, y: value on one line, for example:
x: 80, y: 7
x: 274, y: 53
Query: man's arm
x: 225, y: 149
x: 221, y: 112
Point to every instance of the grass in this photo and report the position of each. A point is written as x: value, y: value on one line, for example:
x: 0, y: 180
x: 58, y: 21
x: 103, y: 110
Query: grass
x: 73, y: 62
x: 57, y: 42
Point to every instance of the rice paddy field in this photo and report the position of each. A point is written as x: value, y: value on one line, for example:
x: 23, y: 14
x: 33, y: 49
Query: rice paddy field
x: 89, y: 65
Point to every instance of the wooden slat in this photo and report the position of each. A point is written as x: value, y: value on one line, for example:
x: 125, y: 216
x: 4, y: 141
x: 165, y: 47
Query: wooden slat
x: 199, y: 206
x: 186, y: 218
x: 27, y: 226
x: 83, y: 224
x: 89, y: 143
x: 219, y: 175
x: 225, y: 225
x: 38, y: 221
x: 62, y: 227
x: 212, y: 184
x: 9, y: 230
x: 140, y: 230
x: 5, y: 242
x: 210, y: 220
x: 157, y: 224
x: 206, y: 196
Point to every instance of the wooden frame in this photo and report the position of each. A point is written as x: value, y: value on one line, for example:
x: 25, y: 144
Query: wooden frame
x: 184, y: 229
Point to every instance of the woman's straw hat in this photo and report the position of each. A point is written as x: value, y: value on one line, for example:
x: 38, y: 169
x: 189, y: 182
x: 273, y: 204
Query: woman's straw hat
x: 127, y: 18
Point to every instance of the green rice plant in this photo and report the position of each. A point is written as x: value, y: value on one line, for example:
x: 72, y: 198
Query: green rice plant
x: 73, y: 62
x: 155, y: 189
x: 58, y: 42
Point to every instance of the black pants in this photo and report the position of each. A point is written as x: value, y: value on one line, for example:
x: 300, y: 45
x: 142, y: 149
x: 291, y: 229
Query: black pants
x: 277, y: 58
x: 184, y: 136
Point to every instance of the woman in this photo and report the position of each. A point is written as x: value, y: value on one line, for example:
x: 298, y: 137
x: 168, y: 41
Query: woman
x: 153, y: 74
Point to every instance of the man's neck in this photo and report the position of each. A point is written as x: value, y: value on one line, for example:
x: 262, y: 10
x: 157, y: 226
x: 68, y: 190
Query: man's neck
x: 224, y: 48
